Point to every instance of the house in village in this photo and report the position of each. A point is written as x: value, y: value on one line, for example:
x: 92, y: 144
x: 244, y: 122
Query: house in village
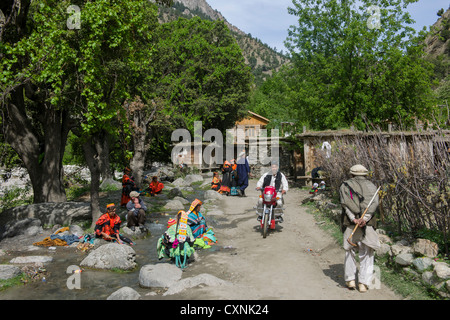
x: 187, y: 152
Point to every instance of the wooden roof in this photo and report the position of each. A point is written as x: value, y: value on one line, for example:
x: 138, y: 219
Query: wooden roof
x: 253, y: 119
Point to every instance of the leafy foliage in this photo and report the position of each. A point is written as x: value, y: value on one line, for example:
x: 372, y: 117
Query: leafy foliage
x: 200, y: 73
x: 345, y: 73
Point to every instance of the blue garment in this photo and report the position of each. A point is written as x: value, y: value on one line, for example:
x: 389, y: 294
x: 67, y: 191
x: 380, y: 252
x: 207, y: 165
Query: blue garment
x: 69, y: 238
x: 130, y: 206
x: 197, y: 223
x: 243, y: 170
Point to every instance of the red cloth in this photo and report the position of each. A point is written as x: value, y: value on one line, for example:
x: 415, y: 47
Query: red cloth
x: 155, y: 187
x: 108, y: 225
x: 127, y: 185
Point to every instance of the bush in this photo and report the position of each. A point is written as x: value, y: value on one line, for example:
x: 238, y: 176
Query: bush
x: 415, y: 192
x: 14, y: 197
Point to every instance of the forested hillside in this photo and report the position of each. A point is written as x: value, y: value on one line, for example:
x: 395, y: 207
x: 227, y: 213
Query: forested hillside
x: 262, y: 59
x: 438, y: 53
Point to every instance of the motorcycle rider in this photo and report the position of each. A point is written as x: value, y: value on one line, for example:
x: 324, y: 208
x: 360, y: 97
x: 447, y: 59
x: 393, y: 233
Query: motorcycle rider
x: 275, y: 179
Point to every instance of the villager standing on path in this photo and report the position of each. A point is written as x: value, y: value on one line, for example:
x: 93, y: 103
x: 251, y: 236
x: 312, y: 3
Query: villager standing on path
x: 355, y: 196
x: 243, y: 171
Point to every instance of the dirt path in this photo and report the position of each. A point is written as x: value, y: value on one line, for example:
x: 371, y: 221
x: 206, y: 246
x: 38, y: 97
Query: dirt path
x: 298, y: 260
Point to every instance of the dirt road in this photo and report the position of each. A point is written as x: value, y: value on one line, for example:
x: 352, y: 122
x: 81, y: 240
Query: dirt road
x: 298, y: 260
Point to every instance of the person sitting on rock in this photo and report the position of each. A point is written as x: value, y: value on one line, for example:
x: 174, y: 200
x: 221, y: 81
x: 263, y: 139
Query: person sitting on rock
x: 155, y: 187
x: 108, y: 226
x: 197, y: 222
x: 177, y: 242
x: 136, y: 212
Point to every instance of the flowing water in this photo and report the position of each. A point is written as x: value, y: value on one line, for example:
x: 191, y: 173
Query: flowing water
x: 94, y: 284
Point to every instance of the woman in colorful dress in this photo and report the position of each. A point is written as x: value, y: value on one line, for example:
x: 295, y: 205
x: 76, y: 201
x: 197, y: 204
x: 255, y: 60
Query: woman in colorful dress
x: 225, y: 188
x: 177, y: 242
x: 155, y: 187
x: 197, y: 222
x: 216, y: 182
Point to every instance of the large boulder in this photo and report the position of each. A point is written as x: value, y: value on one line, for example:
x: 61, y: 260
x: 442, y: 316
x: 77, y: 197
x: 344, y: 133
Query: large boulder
x: 191, y: 178
x: 124, y: 293
x: 111, y: 256
x: 161, y: 275
x: 442, y: 270
x: 203, y: 279
x: 404, y: 259
x: 27, y: 227
x: 211, y: 194
x: 175, y: 192
x: 180, y: 183
x: 174, y: 205
x: 423, y: 263
x: 50, y: 213
x: 426, y: 248
x: 31, y: 260
x: 8, y: 271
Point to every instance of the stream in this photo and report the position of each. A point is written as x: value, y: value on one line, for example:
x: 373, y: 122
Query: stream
x: 94, y: 284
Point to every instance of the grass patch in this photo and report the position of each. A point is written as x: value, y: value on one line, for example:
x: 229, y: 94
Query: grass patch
x: 13, y: 282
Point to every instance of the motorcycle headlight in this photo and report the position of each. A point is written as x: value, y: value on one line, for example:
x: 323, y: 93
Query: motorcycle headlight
x: 267, y: 197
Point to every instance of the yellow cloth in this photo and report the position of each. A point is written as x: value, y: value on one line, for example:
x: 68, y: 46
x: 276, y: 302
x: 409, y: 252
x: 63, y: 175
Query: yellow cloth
x: 47, y: 242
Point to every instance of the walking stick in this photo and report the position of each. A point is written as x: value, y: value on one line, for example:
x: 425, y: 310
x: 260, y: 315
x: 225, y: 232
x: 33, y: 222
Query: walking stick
x: 356, y: 227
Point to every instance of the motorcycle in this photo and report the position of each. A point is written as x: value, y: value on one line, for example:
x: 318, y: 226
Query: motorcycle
x: 269, y: 214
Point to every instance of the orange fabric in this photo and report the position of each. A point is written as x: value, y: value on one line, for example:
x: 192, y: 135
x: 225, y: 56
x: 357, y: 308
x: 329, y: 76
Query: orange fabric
x: 215, y: 185
x: 156, y: 186
x: 107, y: 224
x: 125, y: 198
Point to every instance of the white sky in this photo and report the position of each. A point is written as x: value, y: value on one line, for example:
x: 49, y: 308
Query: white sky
x: 268, y: 20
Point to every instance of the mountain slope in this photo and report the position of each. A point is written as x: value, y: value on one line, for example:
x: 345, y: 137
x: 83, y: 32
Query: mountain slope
x: 262, y: 59
x: 437, y: 50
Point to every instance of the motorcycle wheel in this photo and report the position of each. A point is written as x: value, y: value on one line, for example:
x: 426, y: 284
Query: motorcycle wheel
x: 266, y: 225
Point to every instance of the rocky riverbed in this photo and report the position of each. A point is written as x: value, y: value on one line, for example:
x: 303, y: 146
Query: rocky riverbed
x: 104, y: 266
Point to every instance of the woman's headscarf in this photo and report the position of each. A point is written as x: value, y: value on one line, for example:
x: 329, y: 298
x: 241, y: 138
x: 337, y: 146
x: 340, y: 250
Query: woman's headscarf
x: 194, y: 204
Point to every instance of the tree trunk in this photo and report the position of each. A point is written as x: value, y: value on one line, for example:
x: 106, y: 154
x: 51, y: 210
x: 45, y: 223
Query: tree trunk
x: 137, y: 163
x: 40, y: 145
x: 93, y: 148
x: 105, y: 167
x: 140, y: 115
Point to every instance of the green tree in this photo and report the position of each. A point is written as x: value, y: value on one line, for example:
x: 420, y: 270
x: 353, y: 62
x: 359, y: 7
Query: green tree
x: 56, y: 79
x: 200, y: 73
x: 353, y: 71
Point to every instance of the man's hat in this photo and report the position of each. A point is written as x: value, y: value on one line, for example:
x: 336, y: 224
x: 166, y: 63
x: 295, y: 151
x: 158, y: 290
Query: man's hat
x: 134, y: 194
x: 359, y: 170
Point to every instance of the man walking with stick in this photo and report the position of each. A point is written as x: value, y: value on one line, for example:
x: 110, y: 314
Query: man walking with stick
x: 359, y: 200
